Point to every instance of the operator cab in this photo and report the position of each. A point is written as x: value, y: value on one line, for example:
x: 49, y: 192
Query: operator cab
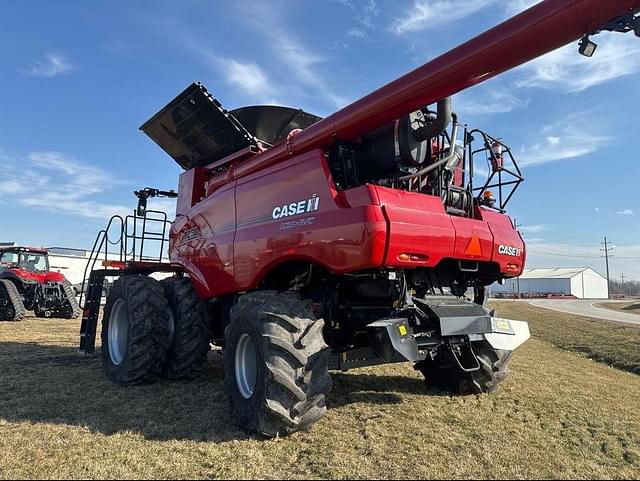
x: 24, y: 258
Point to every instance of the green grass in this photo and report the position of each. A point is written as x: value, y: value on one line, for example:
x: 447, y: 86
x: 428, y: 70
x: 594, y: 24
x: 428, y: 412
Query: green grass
x: 613, y: 343
x: 559, y: 415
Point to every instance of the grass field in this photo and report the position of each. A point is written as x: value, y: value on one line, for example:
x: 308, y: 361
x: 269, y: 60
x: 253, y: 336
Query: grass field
x: 560, y: 414
x: 632, y: 307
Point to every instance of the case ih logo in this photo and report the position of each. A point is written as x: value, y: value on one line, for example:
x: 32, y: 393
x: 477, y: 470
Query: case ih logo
x: 509, y: 251
x: 190, y: 234
x: 296, y: 208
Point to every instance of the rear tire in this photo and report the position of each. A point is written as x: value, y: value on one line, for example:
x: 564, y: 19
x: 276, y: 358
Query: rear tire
x: 190, y: 344
x: 70, y: 308
x: 11, y: 305
x: 135, y: 330
x: 443, y: 371
x: 276, y: 364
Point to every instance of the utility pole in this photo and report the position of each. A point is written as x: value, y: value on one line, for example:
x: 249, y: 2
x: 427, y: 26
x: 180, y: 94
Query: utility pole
x: 622, y: 282
x: 515, y: 222
x: 606, y: 250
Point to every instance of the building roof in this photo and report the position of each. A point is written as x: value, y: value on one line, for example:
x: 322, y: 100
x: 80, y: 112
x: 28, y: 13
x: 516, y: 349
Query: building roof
x: 555, y: 273
x: 37, y: 250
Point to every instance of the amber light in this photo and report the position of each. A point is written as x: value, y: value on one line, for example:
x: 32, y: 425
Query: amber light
x: 114, y: 264
x: 412, y: 257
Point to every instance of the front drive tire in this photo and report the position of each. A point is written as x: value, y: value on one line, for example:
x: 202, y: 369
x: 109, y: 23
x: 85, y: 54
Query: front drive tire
x: 135, y: 330
x: 190, y: 344
x: 444, y: 373
x: 275, y: 364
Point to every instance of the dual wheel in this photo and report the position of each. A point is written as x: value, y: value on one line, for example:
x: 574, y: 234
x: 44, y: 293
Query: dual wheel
x: 153, y: 329
x: 275, y: 358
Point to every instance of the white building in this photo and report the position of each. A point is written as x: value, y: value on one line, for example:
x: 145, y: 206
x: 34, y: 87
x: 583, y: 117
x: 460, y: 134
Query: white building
x: 70, y: 262
x: 581, y: 282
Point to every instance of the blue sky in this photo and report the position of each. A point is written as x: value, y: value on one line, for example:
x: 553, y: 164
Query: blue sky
x: 79, y: 78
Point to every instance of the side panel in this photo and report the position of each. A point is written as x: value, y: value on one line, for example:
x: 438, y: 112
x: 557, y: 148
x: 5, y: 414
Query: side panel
x: 202, y: 243
x: 292, y: 211
x: 474, y: 240
x: 509, y: 250
x: 419, y: 226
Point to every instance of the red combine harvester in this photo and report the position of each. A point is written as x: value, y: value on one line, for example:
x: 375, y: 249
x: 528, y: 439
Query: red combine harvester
x: 303, y: 245
x: 27, y: 284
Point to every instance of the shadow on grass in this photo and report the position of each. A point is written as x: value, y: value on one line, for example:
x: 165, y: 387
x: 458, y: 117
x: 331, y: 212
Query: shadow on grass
x: 632, y: 307
x: 57, y: 385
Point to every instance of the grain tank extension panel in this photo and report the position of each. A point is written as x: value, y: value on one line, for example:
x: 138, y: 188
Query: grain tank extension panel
x: 196, y: 130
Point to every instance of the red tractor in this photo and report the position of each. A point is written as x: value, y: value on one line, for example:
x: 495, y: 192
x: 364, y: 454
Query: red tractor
x: 27, y: 284
x: 303, y: 245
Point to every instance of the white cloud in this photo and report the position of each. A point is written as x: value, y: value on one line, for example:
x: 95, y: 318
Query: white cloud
x: 55, y: 64
x: 363, y: 14
x: 573, y: 137
x: 567, y: 70
x: 10, y: 187
x: 293, y: 68
x: 597, y: 209
x: 54, y: 182
x: 247, y: 76
x: 514, y: 7
x: 303, y: 63
x: 427, y: 14
x: 303, y: 68
x: 358, y: 32
x: 626, y: 212
x: 488, y: 101
x: 532, y: 228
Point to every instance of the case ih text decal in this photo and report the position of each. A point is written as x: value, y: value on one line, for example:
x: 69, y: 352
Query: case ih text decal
x: 509, y: 251
x: 296, y: 208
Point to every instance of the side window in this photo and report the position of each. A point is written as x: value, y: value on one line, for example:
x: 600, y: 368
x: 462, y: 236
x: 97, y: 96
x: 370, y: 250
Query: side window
x: 35, y: 263
x: 7, y: 258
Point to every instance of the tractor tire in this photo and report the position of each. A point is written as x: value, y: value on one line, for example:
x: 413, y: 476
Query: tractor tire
x: 443, y: 371
x: 136, y: 330
x: 11, y: 305
x: 276, y: 364
x: 190, y: 339
x: 70, y: 308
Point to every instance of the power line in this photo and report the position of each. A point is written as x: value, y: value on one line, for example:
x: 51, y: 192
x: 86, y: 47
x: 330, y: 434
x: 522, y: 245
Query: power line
x: 533, y: 251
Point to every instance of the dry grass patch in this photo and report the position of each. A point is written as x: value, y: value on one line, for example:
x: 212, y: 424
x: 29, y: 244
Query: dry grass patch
x: 628, y: 307
x: 558, y: 415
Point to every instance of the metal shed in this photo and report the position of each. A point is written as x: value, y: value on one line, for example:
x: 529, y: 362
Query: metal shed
x: 581, y: 282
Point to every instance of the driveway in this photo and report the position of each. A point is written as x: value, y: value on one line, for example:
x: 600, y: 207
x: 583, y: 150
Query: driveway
x: 582, y: 307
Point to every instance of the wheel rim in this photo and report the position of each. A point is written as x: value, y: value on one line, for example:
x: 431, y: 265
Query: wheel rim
x: 246, y: 366
x: 118, y: 332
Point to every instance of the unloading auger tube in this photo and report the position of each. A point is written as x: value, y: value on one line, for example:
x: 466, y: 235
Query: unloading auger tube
x: 543, y: 28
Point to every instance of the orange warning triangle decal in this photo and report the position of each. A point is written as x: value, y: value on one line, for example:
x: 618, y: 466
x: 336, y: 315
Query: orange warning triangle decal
x: 474, y: 248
